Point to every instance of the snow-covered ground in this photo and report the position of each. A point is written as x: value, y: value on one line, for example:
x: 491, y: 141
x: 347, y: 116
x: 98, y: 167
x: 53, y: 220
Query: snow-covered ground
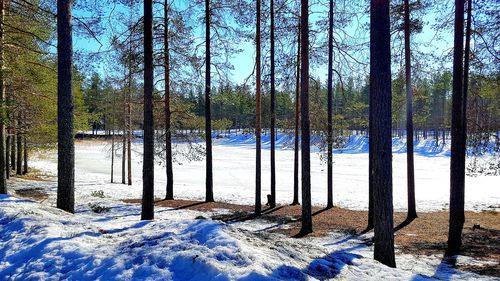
x: 39, y: 242
x: 234, y: 174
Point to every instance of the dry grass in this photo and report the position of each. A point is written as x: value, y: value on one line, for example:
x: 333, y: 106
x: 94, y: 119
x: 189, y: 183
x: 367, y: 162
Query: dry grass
x: 35, y: 194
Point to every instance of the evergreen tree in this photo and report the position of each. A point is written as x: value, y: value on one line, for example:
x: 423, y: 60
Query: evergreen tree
x: 380, y: 132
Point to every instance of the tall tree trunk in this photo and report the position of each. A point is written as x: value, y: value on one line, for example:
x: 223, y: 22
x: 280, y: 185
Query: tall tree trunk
x: 458, y: 138
x: 297, y: 126
x: 272, y: 203
x: 305, y: 125
x: 257, y: 114
x: 13, y: 150
x: 168, y: 131
x: 466, y: 67
x: 65, y: 137
x: 19, y: 160
x: 412, y: 211
x: 7, y: 156
x: 3, y: 167
x: 330, y: 110
x: 25, y: 156
x: 113, y: 140
x: 129, y: 123
x: 124, y: 144
x: 209, y: 182
x: 148, y: 162
x: 380, y: 138
x: 371, y: 219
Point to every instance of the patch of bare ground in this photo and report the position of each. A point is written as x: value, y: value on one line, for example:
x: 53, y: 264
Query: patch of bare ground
x: 34, y: 175
x: 35, y: 194
x: 425, y: 235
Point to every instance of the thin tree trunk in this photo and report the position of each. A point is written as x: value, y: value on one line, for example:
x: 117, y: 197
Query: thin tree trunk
x: 129, y: 126
x: 257, y: 113
x: 412, y: 211
x: 168, y: 132
x: 380, y: 138
x: 7, y: 157
x: 272, y: 202
x: 113, y: 140
x: 25, y: 156
x: 19, y: 168
x: 3, y: 167
x: 148, y: 162
x: 297, y: 127
x: 458, y: 139
x: 371, y: 219
x: 466, y: 66
x: 66, y: 149
x: 209, y: 197
x: 13, y: 150
x: 124, y: 145
x: 330, y: 110
x: 305, y: 125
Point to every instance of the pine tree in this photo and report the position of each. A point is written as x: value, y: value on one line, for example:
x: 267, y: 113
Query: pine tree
x: 258, y: 113
x: 305, y: 124
x: 19, y: 160
x: 3, y: 167
x: 272, y: 202
x: 65, y: 119
x: 148, y: 162
x: 412, y: 212
x: 25, y: 156
x: 209, y: 182
x: 330, y: 110
x: 168, y: 132
x: 380, y: 131
x: 297, y: 125
x: 458, y: 137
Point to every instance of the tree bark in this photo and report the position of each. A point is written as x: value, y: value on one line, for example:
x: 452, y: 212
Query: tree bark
x: 272, y: 202
x: 466, y: 65
x: 19, y: 160
x: 412, y: 211
x: 25, y: 156
x: 258, y: 207
x: 13, y: 151
x: 129, y: 122
x: 458, y: 139
x: 330, y: 110
x: 305, y: 123
x: 148, y: 162
x: 3, y: 167
x: 297, y: 126
x: 380, y: 138
x: 7, y: 156
x: 168, y: 132
x: 209, y: 197
x: 66, y: 149
x: 113, y: 140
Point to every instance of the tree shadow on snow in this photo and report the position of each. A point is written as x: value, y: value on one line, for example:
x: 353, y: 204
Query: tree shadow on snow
x: 324, y: 268
x: 444, y: 271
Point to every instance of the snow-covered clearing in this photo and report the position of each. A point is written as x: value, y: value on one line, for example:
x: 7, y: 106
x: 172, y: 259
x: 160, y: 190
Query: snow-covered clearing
x: 234, y: 175
x: 39, y: 242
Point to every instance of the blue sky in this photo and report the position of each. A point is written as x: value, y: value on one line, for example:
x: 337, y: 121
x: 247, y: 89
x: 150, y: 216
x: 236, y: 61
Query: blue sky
x: 244, y: 61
